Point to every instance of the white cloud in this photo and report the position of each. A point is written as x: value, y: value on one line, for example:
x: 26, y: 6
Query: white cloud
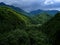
x: 48, y: 2
x: 29, y: 5
x: 56, y: 0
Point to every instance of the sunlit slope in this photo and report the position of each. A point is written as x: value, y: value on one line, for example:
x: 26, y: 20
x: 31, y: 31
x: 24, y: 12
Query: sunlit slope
x: 9, y: 19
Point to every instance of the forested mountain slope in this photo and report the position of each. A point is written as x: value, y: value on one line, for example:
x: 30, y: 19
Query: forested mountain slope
x: 41, y: 18
x: 52, y: 29
x: 13, y: 29
x: 9, y: 19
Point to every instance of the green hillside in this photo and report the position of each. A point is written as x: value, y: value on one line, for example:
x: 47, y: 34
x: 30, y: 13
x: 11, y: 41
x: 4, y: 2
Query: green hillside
x: 14, y: 29
x: 9, y: 19
x: 41, y: 18
x: 52, y: 29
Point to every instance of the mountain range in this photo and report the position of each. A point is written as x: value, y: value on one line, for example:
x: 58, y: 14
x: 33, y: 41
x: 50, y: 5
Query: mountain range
x: 13, y: 29
x: 49, y: 12
x: 31, y: 13
x: 18, y: 27
x: 39, y: 14
x: 17, y: 9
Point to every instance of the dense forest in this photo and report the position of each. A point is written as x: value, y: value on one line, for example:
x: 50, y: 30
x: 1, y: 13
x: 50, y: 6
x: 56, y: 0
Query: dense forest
x: 17, y: 28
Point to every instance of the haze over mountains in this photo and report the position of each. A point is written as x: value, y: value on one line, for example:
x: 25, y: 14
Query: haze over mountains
x: 35, y: 12
x: 31, y: 15
x: 15, y: 8
x: 18, y: 27
x: 50, y: 12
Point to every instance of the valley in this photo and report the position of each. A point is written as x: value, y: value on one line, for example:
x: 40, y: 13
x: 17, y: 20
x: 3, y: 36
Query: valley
x: 18, y: 27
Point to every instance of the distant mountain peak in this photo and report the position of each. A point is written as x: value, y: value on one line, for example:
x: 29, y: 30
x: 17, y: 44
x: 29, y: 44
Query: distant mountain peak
x: 2, y: 3
x: 50, y: 12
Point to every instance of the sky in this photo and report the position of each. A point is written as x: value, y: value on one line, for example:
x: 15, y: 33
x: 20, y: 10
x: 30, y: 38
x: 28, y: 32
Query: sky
x: 30, y: 5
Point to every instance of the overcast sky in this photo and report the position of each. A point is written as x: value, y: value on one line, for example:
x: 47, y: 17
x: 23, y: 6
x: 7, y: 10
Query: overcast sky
x: 29, y: 5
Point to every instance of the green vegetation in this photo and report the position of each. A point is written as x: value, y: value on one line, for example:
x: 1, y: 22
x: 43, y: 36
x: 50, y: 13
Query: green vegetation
x: 22, y: 37
x: 41, y: 18
x: 10, y: 20
x: 19, y: 29
x: 52, y: 29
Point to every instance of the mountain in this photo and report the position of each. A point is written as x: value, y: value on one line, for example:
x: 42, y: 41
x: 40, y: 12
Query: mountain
x: 32, y: 13
x: 14, y: 29
x: 13, y: 32
x: 52, y: 29
x: 10, y: 20
x: 41, y: 18
x: 50, y: 12
x: 35, y: 12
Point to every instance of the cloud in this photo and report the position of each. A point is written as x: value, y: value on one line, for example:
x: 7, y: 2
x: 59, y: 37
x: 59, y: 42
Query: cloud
x: 29, y: 5
x: 48, y: 2
x: 56, y: 0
